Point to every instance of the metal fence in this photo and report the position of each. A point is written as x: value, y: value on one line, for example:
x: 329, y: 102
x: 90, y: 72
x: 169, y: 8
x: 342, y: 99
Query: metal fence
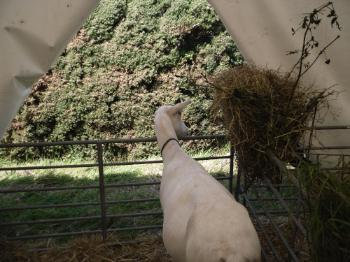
x: 103, y: 204
x: 276, y: 210
x: 279, y: 210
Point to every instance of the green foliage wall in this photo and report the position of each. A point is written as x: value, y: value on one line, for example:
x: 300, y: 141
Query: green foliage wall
x: 129, y: 58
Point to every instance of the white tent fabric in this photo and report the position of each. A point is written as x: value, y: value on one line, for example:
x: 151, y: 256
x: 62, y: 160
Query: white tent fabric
x: 262, y: 31
x: 32, y: 34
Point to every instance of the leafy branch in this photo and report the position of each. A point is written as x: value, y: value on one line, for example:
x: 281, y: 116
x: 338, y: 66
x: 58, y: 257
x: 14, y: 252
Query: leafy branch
x: 309, y: 24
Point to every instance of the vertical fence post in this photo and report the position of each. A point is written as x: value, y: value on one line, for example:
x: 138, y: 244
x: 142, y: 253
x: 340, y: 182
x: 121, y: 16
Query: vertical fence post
x: 102, y: 190
x: 232, y: 154
x: 342, y: 167
x: 238, y: 184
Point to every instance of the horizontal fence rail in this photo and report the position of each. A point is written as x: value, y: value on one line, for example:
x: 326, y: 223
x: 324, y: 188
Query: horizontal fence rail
x: 139, y: 140
x: 130, y: 163
x: 109, y: 141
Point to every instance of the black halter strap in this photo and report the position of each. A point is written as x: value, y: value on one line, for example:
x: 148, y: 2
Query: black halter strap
x: 166, y: 142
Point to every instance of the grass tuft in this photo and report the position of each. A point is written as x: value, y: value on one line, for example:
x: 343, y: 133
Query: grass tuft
x: 328, y: 200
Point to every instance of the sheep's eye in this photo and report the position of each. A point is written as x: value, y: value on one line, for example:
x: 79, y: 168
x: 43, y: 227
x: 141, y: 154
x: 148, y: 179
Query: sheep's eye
x: 177, y: 114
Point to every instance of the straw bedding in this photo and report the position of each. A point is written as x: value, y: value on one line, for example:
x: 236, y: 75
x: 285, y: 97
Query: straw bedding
x: 148, y: 248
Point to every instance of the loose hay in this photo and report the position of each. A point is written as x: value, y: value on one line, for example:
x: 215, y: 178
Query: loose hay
x: 264, y: 111
x: 148, y: 248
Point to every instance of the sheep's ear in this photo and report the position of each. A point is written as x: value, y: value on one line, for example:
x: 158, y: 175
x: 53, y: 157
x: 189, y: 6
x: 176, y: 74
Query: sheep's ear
x: 180, y: 106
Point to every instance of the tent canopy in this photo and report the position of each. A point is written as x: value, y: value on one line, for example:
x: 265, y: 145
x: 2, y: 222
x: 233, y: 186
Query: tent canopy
x: 33, y: 34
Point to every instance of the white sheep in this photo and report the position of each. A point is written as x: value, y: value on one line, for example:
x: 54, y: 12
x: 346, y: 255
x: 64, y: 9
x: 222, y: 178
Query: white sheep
x: 202, y: 220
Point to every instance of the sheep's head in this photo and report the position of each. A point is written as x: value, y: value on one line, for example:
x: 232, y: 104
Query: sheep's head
x: 174, y: 115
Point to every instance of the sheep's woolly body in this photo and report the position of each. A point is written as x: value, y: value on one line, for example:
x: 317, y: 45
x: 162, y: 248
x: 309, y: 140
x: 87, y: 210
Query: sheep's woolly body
x: 202, y: 220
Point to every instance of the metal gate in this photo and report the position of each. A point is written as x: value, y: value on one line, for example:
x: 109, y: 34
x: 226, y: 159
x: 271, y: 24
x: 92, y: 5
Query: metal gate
x: 103, y: 203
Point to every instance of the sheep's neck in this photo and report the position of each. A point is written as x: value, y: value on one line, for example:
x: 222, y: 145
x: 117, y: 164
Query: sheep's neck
x: 170, y: 150
x: 167, y: 142
x: 165, y: 131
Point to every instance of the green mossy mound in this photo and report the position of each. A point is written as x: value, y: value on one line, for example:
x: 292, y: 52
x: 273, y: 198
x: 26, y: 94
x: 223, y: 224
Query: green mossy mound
x: 129, y: 58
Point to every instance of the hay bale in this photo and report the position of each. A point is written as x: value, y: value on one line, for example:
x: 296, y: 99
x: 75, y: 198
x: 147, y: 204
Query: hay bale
x: 264, y: 110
